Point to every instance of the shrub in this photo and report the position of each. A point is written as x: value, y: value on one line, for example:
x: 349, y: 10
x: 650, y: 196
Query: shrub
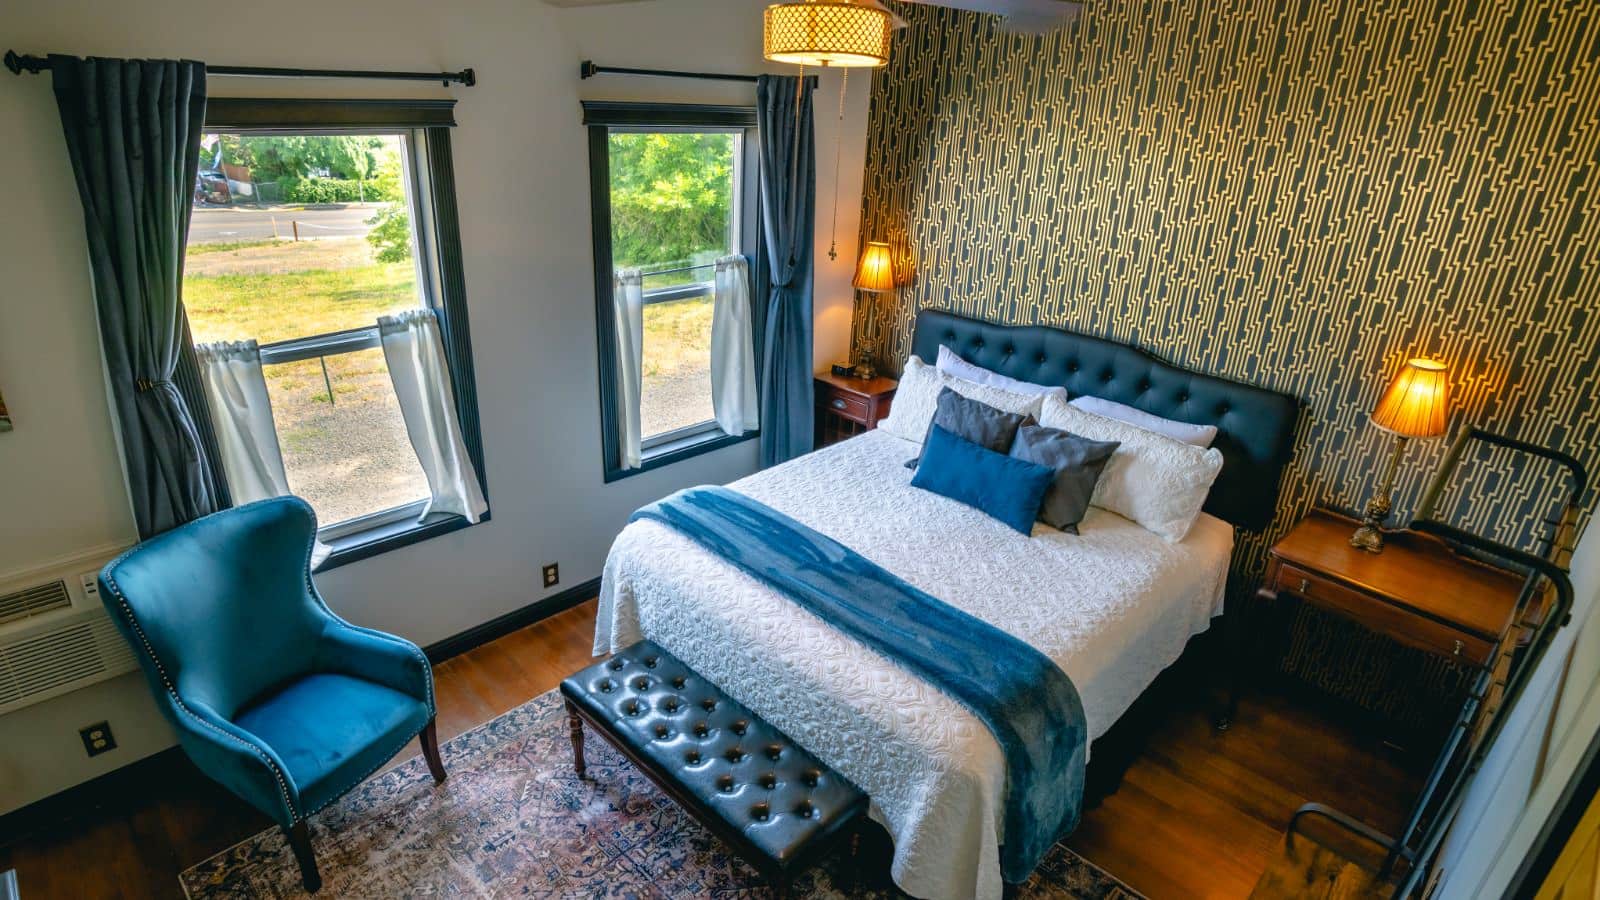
x: 391, y: 234
x: 330, y: 190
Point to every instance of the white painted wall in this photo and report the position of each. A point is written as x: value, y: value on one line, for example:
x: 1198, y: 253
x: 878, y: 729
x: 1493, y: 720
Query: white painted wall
x: 521, y: 176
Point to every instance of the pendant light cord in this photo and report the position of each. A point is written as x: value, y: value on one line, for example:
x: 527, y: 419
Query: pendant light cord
x: 838, y: 143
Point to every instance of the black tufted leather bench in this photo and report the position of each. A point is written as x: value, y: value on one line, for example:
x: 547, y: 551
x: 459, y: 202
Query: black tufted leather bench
x: 776, y: 804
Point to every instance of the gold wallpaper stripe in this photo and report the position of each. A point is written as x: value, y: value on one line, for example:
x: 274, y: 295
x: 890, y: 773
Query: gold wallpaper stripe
x: 1300, y: 195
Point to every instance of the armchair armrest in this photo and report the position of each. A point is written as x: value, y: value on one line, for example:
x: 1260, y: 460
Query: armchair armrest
x: 234, y: 757
x: 391, y: 661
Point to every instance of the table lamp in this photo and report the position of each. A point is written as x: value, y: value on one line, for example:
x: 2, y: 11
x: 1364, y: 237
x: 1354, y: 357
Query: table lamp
x: 1415, y: 405
x: 874, y: 275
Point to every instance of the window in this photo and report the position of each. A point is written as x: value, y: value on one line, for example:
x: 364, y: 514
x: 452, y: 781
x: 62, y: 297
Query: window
x: 673, y: 190
x: 301, y: 239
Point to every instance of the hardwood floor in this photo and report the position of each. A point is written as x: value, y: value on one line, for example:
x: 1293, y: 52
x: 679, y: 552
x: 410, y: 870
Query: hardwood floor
x: 1195, y: 814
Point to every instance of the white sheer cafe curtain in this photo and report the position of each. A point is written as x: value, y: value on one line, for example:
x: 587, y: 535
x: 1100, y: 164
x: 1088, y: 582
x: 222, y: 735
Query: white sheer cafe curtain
x: 733, y: 354
x: 414, y: 351
x: 247, y: 437
x: 627, y: 303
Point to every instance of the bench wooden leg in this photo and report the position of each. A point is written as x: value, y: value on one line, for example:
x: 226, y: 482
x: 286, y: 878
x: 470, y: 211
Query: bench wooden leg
x: 575, y: 728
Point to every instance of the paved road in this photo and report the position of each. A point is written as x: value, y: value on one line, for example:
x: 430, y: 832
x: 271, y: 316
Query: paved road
x: 228, y: 224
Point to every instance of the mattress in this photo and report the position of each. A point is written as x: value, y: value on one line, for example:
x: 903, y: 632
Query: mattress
x: 1112, y: 606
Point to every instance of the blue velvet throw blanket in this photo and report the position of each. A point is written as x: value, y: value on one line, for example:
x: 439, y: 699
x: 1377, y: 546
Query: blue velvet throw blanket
x: 1027, y: 702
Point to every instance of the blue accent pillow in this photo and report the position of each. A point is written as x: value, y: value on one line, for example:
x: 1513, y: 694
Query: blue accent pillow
x: 1011, y: 490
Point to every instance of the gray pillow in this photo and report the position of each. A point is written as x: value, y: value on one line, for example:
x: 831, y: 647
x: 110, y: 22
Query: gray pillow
x: 1078, y: 462
x: 975, y: 421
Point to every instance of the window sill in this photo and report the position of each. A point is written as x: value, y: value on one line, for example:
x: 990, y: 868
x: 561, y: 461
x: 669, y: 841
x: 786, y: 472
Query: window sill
x: 359, y: 545
x: 678, y: 451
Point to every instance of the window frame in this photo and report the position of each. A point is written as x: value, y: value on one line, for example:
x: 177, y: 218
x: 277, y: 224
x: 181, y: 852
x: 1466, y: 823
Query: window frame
x: 430, y: 174
x: 600, y: 117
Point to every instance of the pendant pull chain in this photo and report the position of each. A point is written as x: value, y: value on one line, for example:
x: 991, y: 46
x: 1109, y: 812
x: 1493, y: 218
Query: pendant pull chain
x: 838, y: 141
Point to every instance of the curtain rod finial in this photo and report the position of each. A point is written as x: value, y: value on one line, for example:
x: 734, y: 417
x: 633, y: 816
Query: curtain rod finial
x: 22, y: 62
x: 468, y: 78
x: 587, y: 69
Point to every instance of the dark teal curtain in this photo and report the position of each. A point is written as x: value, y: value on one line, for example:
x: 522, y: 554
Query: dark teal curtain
x: 788, y: 213
x: 133, y: 135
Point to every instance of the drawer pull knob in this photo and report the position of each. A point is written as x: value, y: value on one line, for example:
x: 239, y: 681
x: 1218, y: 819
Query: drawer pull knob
x: 1305, y: 586
x: 1458, y: 648
x: 838, y: 403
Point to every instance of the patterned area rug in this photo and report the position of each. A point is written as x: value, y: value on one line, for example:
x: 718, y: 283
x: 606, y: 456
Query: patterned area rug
x: 514, y: 821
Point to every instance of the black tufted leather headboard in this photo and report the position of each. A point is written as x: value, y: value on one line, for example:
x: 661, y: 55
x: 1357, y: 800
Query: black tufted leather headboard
x: 1255, y: 426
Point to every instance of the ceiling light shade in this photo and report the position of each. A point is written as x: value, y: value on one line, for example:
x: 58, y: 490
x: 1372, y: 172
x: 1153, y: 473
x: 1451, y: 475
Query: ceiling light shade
x: 875, y: 271
x: 1416, y: 404
x: 834, y: 33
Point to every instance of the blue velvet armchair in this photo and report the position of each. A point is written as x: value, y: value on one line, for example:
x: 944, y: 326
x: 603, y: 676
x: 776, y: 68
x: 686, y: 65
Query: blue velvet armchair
x: 271, y: 694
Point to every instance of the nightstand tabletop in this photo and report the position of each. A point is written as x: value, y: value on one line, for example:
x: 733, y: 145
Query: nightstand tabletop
x: 866, y: 387
x: 1416, y: 571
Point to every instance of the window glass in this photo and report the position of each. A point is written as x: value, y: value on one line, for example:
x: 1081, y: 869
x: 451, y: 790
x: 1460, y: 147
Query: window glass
x: 296, y: 239
x: 674, y: 209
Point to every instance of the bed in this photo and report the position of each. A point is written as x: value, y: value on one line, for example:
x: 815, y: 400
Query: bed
x: 1113, y: 606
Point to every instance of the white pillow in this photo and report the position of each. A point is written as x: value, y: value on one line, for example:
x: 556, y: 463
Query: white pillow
x: 1152, y: 479
x: 1198, y: 435
x: 952, y: 364
x: 917, y: 399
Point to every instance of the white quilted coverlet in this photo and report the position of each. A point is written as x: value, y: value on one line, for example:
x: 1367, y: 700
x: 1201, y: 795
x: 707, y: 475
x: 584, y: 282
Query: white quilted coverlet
x: 1112, y: 606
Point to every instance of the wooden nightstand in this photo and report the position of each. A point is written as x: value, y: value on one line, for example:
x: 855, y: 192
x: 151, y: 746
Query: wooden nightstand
x: 848, y: 406
x: 1417, y: 591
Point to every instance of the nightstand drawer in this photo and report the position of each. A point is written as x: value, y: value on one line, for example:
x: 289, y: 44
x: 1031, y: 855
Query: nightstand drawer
x: 849, y: 406
x: 1384, y: 617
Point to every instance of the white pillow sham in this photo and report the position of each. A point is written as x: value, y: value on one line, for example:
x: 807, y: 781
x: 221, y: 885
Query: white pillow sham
x: 950, y: 363
x: 917, y: 399
x: 1198, y: 435
x: 1156, y: 481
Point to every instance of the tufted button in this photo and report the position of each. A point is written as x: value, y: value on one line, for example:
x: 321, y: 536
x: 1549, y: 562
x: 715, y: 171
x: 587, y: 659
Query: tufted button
x: 708, y: 704
x: 1009, y: 350
x: 632, y: 708
x: 811, y: 778
x: 725, y: 784
x: 1144, y: 386
x: 606, y: 686
x: 740, y: 726
x: 679, y: 682
x: 650, y: 662
x: 671, y: 705
x: 1107, y: 375
x: 641, y: 683
x: 1072, y: 366
x: 661, y: 732
x: 774, y: 752
x: 1183, y: 397
x: 761, y: 811
x: 692, y: 757
x: 701, y: 730
x: 616, y: 664
x: 768, y: 780
x: 804, y: 809
x: 1039, y: 359
x: 1222, y: 409
x: 978, y: 343
x: 734, y: 755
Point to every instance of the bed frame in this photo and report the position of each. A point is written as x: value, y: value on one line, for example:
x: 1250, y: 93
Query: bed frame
x: 1255, y: 426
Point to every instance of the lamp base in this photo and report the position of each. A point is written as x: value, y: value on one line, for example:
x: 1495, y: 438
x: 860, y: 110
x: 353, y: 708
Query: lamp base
x: 1369, y: 536
x: 864, y: 369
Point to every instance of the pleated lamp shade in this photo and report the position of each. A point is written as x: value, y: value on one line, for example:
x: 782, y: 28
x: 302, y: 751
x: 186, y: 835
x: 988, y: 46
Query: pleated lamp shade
x: 875, y: 271
x: 1416, y: 404
x: 833, y: 33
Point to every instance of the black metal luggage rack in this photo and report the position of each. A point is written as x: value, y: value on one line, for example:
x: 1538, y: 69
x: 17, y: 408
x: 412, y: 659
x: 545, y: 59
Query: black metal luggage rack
x: 1543, y: 607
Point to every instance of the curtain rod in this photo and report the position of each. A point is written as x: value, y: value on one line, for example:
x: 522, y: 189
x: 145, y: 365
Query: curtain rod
x: 19, y: 63
x: 587, y: 69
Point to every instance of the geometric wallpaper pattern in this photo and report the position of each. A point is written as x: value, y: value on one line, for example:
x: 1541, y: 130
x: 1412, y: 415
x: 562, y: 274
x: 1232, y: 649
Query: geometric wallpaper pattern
x: 1298, y: 194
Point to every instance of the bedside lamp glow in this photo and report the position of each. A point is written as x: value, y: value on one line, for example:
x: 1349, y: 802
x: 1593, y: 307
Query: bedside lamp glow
x: 875, y: 275
x: 1415, y: 405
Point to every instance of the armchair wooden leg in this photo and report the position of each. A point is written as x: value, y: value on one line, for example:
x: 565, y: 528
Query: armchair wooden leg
x: 575, y: 728
x: 430, y: 751
x: 300, y: 842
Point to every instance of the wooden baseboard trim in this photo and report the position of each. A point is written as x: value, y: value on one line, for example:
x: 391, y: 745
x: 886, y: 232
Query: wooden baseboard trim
x: 499, y: 627
x: 134, y: 782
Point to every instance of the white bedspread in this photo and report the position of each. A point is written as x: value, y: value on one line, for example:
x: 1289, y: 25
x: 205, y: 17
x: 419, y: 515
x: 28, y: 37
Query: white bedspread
x: 1113, y: 607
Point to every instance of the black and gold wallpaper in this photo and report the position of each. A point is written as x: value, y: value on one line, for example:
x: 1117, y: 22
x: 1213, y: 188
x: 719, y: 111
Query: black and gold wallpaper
x: 1295, y: 193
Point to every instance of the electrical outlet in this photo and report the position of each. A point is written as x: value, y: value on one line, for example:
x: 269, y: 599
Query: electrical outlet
x: 552, y: 574
x: 91, y: 585
x: 97, y: 738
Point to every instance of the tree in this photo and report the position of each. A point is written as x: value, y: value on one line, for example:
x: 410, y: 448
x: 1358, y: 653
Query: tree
x: 671, y: 196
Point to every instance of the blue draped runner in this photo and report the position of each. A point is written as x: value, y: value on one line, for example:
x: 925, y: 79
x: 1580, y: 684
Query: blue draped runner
x: 1025, y: 699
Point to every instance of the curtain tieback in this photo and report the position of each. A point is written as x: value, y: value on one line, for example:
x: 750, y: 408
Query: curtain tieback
x: 146, y: 385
